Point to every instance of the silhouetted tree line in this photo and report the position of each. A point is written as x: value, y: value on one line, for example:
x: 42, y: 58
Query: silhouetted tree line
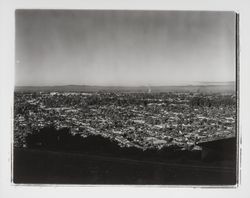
x: 62, y: 140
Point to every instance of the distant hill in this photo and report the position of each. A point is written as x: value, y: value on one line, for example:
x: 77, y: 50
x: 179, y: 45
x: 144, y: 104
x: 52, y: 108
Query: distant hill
x: 196, y: 87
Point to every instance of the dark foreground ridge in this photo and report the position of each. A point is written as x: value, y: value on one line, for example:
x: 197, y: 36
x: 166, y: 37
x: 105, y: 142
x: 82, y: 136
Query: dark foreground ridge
x: 62, y: 140
x: 56, y: 156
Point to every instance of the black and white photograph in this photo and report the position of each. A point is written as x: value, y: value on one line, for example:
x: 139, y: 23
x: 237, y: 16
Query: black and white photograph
x: 126, y: 97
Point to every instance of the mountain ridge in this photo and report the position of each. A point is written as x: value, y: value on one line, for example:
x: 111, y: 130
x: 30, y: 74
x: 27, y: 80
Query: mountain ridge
x: 209, y: 86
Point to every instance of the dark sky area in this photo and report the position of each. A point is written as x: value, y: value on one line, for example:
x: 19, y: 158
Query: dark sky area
x: 129, y: 48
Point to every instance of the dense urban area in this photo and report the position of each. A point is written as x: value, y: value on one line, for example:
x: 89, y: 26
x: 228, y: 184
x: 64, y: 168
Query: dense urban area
x: 142, y: 120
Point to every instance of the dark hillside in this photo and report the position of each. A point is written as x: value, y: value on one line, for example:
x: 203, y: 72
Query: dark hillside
x: 57, y: 157
x: 50, y: 167
x: 62, y: 140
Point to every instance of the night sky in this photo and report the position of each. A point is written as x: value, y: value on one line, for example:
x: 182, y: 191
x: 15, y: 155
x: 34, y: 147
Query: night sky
x: 128, y: 48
